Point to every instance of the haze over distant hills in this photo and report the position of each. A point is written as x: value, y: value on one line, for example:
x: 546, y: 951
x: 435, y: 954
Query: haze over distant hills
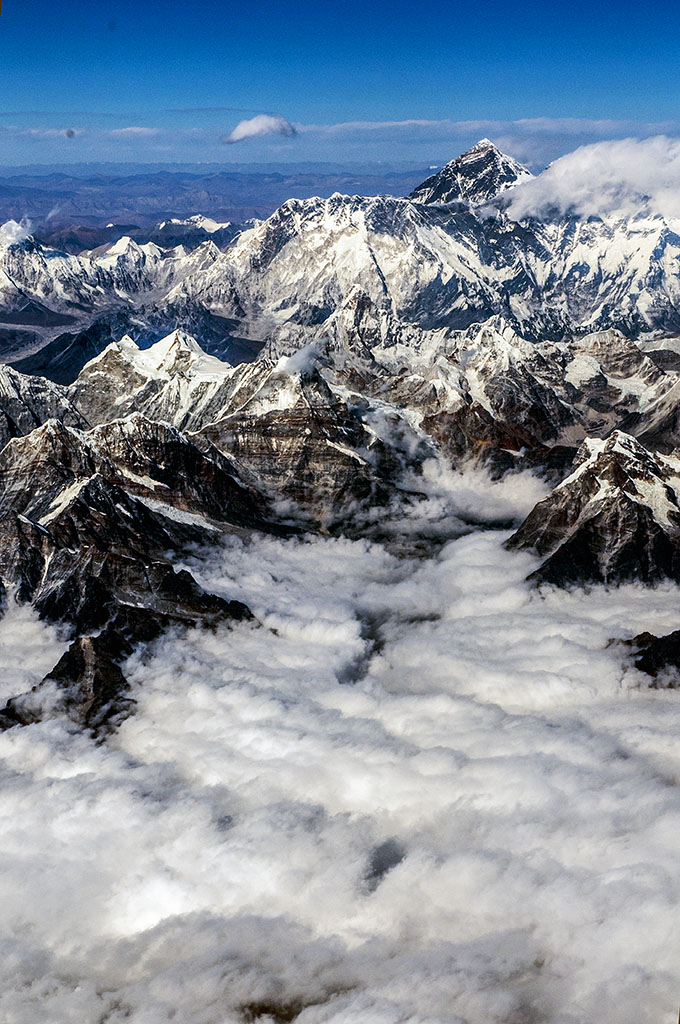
x: 136, y: 195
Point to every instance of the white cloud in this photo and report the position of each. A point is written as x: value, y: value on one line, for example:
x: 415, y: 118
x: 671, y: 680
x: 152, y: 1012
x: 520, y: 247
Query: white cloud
x: 134, y: 131
x: 28, y: 648
x: 569, y: 126
x: 262, y: 124
x: 213, y: 858
x: 13, y: 231
x: 621, y: 176
x: 535, y: 141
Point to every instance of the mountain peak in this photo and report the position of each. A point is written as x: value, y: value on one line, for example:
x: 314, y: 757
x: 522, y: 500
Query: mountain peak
x: 482, y: 144
x: 476, y: 176
x: 615, y: 518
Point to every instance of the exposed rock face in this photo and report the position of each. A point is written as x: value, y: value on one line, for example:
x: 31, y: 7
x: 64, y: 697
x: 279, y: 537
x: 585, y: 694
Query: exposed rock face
x: 309, y: 449
x: 43, y: 472
x: 88, y: 683
x: 616, y: 518
x: 472, y: 434
x: 280, y: 420
x: 88, y: 524
x: 26, y: 402
x: 480, y: 174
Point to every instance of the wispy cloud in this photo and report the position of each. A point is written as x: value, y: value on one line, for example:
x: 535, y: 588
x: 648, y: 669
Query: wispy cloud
x: 567, y: 126
x: 262, y: 124
x: 198, y: 135
x: 48, y: 134
x: 534, y: 140
x: 134, y: 131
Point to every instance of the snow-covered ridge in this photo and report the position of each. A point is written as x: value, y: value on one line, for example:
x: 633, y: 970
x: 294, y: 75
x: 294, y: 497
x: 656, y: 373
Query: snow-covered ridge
x: 197, y: 221
x: 424, y: 267
x: 615, y: 518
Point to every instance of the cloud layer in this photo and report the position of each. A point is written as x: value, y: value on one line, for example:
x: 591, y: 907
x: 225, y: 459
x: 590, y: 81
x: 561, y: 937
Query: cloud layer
x: 421, y: 791
x: 260, y: 125
x: 198, y: 135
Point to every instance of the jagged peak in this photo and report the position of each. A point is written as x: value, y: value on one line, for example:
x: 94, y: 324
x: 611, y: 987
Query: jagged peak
x: 134, y: 425
x: 483, y: 144
x: 177, y: 353
x: 125, y: 347
x: 18, y: 381
x: 617, y: 458
x: 476, y: 176
x: 122, y: 247
x: 617, y: 443
x: 615, y: 518
x: 178, y: 340
x: 494, y: 339
x: 51, y: 433
x: 495, y: 325
x: 206, y: 250
x: 197, y: 220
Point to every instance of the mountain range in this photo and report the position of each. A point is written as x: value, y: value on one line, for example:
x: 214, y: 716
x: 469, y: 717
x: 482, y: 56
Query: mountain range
x: 296, y: 375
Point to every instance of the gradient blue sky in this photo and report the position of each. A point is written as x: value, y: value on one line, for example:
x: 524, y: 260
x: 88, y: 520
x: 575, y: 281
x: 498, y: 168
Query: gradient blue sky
x: 575, y: 71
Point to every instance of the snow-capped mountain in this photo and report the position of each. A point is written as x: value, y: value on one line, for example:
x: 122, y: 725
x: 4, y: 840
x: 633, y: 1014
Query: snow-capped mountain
x: 615, y: 518
x: 280, y: 419
x: 197, y: 220
x: 424, y: 267
x: 477, y: 176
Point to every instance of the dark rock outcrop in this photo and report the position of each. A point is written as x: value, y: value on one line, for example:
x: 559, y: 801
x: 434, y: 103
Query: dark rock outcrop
x: 89, y: 526
x: 658, y: 657
x: 27, y: 402
x: 88, y: 684
x: 616, y: 518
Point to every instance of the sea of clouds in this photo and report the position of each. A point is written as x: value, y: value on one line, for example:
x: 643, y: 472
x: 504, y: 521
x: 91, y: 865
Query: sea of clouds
x: 420, y: 791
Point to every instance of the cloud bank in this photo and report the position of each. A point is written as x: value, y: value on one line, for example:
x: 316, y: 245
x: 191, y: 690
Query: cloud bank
x: 260, y: 125
x: 615, y: 177
x: 420, y: 791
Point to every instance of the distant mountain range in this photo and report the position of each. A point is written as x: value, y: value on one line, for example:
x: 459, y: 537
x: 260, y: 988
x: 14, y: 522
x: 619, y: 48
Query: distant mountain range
x: 137, y: 198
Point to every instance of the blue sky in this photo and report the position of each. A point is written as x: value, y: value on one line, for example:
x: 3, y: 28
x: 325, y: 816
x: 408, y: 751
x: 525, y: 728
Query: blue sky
x: 183, y: 74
